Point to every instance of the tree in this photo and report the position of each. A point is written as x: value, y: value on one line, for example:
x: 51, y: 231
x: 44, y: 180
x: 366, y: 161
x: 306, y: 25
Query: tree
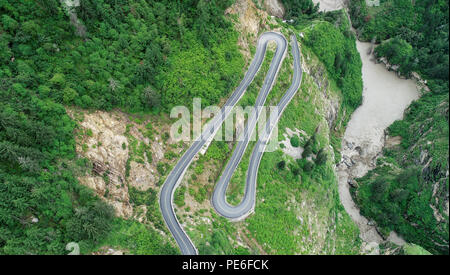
x: 69, y: 95
x: 151, y: 98
x: 296, y: 171
x: 307, y: 151
x: 91, y: 222
x: 295, y: 141
x: 58, y: 80
x: 298, y: 8
x: 378, y: 189
x: 322, y: 157
x: 281, y: 165
x: 308, y: 166
x: 86, y: 101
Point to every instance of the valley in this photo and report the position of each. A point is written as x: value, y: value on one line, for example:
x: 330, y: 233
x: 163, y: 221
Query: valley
x: 358, y: 158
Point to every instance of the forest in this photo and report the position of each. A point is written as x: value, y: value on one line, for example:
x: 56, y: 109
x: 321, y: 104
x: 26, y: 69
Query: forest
x: 300, y: 9
x: 128, y: 54
x: 422, y: 27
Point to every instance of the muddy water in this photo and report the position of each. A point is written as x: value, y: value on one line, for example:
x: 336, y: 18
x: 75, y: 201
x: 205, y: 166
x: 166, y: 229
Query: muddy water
x: 329, y: 5
x: 385, y: 97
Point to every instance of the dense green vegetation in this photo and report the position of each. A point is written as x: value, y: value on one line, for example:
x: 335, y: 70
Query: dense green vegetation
x: 397, y: 51
x: 217, y: 242
x: 336, y: 48
x: 37, y: 178
x: 149, y: 199
x: 423, y: 25
x: 299, y: 9
x: 132, y: 54
x: 135, y: 54
x: 411, y: 180
x: 333, y: 42
x: 136, y: 238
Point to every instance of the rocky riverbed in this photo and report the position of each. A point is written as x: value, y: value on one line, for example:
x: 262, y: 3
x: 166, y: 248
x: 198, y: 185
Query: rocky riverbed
x: 385, y: 98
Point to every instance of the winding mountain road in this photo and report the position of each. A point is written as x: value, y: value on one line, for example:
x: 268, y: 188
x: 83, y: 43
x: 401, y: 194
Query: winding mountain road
x: 219, y: 199
x: 247, y: 204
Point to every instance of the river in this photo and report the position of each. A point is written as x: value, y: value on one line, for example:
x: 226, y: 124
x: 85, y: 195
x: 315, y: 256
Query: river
x: 385, y: 98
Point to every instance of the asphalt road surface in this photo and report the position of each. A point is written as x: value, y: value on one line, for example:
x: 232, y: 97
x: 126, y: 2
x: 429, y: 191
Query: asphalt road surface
x: 219, y: 201
x: 247, y: 204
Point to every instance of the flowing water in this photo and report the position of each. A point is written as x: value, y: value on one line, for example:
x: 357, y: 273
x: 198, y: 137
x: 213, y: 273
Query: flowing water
x: 385, y: 98
x: 329, y: 5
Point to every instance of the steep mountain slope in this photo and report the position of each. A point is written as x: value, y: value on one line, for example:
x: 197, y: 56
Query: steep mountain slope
x: 297, y: 209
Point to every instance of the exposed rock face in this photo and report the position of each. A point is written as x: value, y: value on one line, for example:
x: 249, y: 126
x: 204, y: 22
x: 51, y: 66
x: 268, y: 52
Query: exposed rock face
x: 108, y: 156
x: 274, y: 7
x: 250, y: 21
x: 140, y: 176
x: 330, y: 103
x: 104, y: 140
x: 329, y: 5
x: 105, y: 144
x: 248, y: 15
x: 69, y: 6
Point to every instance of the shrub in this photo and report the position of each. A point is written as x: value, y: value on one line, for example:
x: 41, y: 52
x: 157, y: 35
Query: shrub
x: 295, y: 141
x: 296, y: 171
x: 322, y: 157
x: 91, y: 222
x: 308, y: 166
x: 307, y: 151
x: 398, y: 52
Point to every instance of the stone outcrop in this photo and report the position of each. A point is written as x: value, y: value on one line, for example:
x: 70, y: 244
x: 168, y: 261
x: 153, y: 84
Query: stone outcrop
x: 104, y: 140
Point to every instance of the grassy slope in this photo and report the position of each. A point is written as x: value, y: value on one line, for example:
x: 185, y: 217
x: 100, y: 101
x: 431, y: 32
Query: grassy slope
x: 304, y: 212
